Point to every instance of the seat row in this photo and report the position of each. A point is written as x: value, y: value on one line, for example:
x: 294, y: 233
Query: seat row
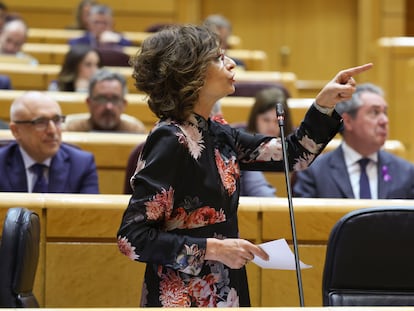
x: 54, y: 53
x: 25, y: 77
x: 112, y: 150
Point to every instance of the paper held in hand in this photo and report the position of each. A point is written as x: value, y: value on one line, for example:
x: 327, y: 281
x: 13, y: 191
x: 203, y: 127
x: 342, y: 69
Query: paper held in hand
x: 280, y: 256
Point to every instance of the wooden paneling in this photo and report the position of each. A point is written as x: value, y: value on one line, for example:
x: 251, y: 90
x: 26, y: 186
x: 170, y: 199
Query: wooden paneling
x: 394, y: 74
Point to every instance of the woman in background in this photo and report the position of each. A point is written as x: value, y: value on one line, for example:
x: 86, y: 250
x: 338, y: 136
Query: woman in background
x: 262, y: 119
x: 82, y: 14
x: 79, y: 65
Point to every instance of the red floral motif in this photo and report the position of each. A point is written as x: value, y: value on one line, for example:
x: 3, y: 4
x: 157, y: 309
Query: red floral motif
x: 161, y: 205
x: 229, y: 171
x: 203, y: 290
x: 174, y: 292
x: 219, y: 119
x: 200, y: 217
x: 126, y: 248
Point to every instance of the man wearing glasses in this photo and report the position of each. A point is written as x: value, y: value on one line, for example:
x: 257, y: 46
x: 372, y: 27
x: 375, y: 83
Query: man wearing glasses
x: 38, y: 161
x: 106, y: 102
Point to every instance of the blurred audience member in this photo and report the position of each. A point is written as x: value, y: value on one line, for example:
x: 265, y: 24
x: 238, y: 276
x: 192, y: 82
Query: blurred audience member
x: 79, y: 65
x: 38, y: 161
x: 106, y: 102
x: 5, y: 83
x: 82, y: 14
x: 12, y: 38
x: 262, y: 119
x: 222, y: 26
x: 100, y: 31
x: 358, y: 168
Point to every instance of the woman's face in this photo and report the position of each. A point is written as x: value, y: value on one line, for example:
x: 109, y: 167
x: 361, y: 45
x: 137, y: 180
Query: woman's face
x: 267, y: 124
x: 88, y: 66
x: 219, y: 81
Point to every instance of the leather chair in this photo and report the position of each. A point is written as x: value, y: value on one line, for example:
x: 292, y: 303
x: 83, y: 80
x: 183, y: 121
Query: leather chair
x: 370, y: 259
x: 19, y: 254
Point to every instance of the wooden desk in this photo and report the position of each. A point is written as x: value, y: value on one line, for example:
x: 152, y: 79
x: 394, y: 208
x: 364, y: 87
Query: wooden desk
x: 80, y: 265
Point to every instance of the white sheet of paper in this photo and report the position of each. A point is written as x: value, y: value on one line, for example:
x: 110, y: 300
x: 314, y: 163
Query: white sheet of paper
x: 280, y: 256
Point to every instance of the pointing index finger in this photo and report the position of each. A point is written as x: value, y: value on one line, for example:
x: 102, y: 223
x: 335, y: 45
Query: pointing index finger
x: 348, y: 73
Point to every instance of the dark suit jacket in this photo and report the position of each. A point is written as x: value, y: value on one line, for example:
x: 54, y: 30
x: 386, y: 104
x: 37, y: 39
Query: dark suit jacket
x: 89, y: 39
x: 328, y: 177
x: 71, y: 171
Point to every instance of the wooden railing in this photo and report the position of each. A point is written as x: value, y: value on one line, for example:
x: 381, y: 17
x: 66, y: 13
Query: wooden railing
x: 80, y: 265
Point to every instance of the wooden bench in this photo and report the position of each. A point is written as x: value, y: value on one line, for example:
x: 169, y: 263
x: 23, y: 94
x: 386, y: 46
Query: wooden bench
x: 80, y: 265
x: 54, y: 53
x: 235, y: 109
x: 55, y: 35
x: 111, y: 169
x: 38, y: 77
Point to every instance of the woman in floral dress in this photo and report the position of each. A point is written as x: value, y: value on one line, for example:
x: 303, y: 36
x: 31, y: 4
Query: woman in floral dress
x: 182, y: 217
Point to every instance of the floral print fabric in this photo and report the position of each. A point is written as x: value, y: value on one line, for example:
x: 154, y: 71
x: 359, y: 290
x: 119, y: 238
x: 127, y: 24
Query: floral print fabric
x: 186, y: 189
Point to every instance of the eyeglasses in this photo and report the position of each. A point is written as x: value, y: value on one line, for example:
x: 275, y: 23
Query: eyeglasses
x: 103, y: 100
x: 41, y: 124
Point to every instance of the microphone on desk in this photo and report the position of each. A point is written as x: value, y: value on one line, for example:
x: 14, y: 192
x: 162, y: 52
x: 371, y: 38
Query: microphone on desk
x: 280, y: 114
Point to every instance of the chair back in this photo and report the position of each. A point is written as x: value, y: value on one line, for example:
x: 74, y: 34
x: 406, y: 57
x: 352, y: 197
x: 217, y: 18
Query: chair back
x: 113, y: 57
x: 369, y: 259
x: 19, y: 255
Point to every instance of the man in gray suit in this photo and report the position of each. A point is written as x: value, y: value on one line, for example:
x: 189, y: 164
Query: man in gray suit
x: 337, y: 174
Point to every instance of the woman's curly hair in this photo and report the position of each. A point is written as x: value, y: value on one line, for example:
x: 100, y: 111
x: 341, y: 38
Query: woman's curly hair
x: 171, y: 66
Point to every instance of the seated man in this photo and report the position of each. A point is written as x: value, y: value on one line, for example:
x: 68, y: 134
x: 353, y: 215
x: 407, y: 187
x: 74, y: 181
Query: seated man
x: 12, y: 38
x: 38, y: 161
x: 358, y: 168
x: 100, y: 30
x: 106, y: 102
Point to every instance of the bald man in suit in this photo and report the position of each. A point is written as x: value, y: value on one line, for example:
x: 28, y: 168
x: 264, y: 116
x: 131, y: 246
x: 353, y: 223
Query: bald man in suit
x: 36, y: 125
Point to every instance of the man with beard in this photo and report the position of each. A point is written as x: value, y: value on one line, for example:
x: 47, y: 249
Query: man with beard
x: 107, y: 103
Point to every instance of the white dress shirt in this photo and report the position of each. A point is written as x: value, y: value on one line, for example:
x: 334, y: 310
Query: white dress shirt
x: 354, y: 170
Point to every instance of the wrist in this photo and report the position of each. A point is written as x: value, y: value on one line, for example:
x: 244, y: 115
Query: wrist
x: 325, y: 110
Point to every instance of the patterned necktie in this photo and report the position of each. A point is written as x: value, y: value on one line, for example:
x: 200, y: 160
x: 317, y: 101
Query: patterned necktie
x: 364, y: 190
x: 40, y: 183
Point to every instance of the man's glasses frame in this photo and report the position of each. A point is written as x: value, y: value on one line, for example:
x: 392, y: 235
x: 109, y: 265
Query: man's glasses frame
x: 42, y: 123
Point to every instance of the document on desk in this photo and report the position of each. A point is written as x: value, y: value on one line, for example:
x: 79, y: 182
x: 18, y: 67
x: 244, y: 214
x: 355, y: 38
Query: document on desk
x: 280, y: 256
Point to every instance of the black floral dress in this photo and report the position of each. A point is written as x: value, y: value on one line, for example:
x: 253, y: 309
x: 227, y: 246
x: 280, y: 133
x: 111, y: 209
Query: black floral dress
x: 186, y: 189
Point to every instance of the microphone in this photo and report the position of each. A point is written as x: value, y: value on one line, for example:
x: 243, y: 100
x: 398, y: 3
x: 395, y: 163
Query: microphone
x: 280, y: 114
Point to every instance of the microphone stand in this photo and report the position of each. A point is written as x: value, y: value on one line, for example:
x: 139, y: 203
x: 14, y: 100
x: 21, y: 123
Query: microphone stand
x: 280, y: 113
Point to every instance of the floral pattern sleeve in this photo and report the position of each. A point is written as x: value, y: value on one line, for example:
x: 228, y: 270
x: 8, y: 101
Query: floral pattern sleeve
x: 147, y: 225
x: 308, y: 141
